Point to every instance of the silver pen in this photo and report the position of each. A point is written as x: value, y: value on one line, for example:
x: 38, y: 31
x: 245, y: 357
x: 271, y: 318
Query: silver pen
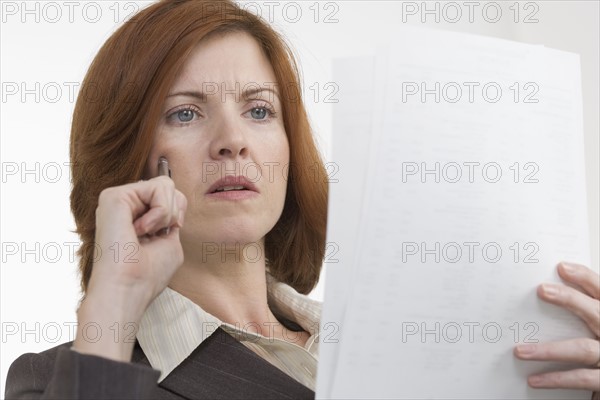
x: 163, y: 169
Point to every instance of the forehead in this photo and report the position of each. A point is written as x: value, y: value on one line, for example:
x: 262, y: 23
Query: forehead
x: 231, y: 58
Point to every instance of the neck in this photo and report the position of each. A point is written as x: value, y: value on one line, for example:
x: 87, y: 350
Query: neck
x: 229, y: 282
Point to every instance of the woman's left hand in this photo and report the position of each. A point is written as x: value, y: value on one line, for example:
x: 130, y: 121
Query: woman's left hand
x: 585, y: 303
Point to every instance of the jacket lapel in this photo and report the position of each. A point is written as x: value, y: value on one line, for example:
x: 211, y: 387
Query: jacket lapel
x: 222, y: 367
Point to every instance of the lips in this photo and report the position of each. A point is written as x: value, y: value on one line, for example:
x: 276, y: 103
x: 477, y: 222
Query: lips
x: 232, y: 184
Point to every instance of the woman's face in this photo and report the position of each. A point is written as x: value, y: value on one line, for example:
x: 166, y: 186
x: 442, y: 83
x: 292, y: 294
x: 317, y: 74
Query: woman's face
x: 211, y: 130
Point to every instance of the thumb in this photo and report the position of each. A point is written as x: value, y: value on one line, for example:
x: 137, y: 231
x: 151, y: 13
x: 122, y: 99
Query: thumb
x: 166, y: 249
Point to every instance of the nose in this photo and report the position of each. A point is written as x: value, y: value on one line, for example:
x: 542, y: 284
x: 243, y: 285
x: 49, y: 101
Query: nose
x: 229, y: 141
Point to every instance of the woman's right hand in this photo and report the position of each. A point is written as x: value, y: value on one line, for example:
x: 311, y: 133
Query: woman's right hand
x: 132, y: 264
x: 130, y: 254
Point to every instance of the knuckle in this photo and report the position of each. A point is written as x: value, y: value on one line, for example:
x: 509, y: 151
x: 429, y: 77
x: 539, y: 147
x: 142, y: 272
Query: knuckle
x: 588, y: 346
x: 591, y: 378
x: 164, y: 211
x: 106, y: 194
x: 106, y: 197
x: 591, y: 311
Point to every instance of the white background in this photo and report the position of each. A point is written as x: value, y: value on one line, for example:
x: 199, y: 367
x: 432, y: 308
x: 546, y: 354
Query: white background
x: 54, y: 44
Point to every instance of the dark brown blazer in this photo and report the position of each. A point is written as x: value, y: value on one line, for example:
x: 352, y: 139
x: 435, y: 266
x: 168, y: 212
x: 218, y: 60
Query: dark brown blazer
x: 219, y: 368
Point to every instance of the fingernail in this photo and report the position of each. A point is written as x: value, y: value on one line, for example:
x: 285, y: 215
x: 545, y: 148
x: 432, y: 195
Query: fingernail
x: 536, y: 380
x: 526, y: 349
x: 550, y: 290
x: 568, y: 268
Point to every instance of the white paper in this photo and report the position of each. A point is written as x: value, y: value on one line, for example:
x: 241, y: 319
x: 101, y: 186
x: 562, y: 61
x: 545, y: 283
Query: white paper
x: 399, y: 315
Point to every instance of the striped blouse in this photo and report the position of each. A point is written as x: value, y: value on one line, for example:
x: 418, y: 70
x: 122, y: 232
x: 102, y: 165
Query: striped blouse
x: 173, y: 326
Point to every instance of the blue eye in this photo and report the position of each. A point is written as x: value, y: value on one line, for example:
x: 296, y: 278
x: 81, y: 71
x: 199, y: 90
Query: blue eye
x: 263, y: 113
x: 258, y: 113
x: 185, y: 115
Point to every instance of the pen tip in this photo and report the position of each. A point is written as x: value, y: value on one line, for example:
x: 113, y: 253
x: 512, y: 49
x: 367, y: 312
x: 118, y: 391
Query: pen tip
x: 163, y: 166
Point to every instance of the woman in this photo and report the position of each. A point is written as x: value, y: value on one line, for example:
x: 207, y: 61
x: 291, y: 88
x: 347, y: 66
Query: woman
x: 215, y: 91
x: 216, y: 302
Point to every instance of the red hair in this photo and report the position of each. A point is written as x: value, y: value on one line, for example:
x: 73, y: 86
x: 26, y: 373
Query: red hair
x: 118, y: 110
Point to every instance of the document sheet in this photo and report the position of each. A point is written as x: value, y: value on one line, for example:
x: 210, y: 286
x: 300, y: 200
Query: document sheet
x: 459, y: 185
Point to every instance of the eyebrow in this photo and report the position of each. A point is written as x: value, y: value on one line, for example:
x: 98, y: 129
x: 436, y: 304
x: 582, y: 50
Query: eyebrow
x: 203, y: 97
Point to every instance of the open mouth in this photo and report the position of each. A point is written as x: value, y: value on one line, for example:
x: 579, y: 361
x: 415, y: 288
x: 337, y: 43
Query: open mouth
x: 230, y: 188
x: 232, y: 184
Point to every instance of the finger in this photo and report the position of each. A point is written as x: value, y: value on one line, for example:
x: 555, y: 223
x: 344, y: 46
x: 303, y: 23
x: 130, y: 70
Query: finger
x: 151, y: 222
x: 585, y: 307
x: 582, y: 276
x: 175, y: 210
x: 584, y: 379
x: 584, y: 351
x: 138, y: 196
x: 174, y: 218
x: 164, y: 170
x: 181, y: 202
x: 178, y: 213
x: 157, y: 195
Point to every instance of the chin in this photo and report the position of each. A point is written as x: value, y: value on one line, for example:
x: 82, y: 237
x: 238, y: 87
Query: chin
x: 228, y: 235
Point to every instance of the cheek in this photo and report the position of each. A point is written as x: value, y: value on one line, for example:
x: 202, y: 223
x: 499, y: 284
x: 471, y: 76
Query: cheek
x: 177, y: 155
x: 282, y: 159
x: 169, y: 145
x: 148, y: 168
x: 283, y: 151
x: 151, y: 166
x: 284, y: 174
